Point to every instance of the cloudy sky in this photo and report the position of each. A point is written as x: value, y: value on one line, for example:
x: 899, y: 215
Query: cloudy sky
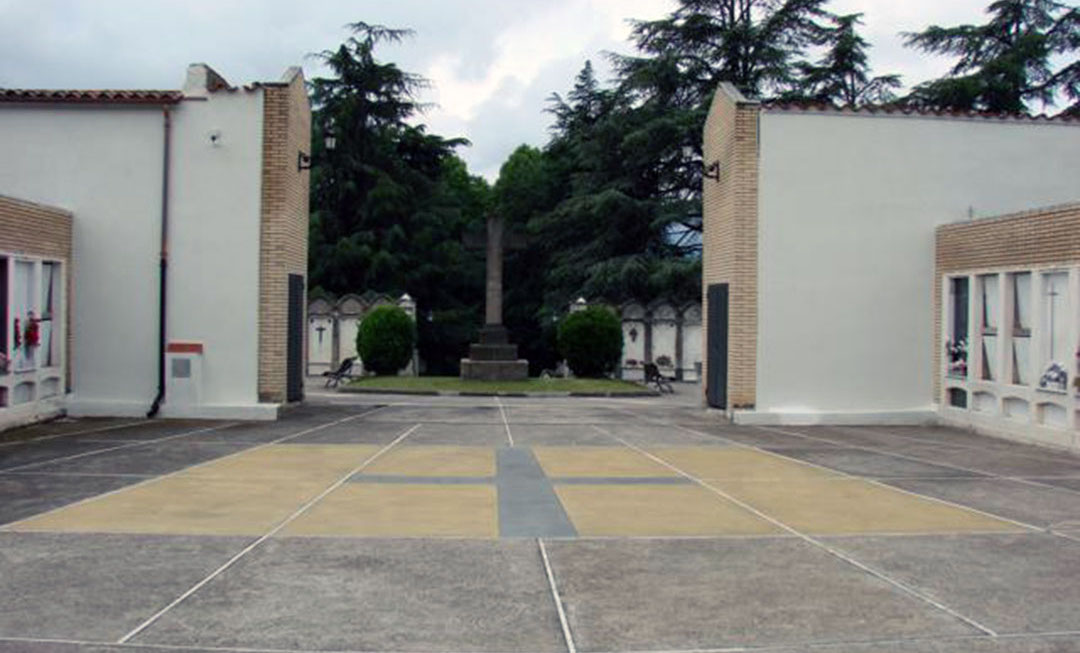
x: 492, y: 63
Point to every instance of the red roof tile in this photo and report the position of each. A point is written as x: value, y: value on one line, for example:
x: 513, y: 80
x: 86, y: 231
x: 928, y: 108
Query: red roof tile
x: 88, y: 96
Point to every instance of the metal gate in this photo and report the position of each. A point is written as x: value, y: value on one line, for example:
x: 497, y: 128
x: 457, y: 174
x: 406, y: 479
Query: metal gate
x: 717, y: 343
x: 294, y: 355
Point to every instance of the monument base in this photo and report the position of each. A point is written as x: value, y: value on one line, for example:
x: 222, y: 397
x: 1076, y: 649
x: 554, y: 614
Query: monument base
x: 515, y: 370
x: 494, y: 358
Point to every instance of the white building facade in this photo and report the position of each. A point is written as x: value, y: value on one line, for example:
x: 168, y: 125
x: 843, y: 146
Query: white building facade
x: 819, y: 244
x: 195, y: 178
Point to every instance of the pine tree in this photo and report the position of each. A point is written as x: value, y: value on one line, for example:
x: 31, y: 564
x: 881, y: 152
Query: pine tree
x: 842, y: 76
x: 1008, y: 63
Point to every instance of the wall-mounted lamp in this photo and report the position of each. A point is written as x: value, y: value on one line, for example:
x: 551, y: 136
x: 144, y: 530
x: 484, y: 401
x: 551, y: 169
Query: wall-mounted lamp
x: 303, y: 161
x: 712, y: 171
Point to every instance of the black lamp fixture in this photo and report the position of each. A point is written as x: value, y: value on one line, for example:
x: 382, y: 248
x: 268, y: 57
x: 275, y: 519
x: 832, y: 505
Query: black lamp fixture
x: 712, y: 171
x: 303, y: 161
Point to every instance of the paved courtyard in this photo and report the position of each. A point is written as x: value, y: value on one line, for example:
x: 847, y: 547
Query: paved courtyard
x: 483, y: 524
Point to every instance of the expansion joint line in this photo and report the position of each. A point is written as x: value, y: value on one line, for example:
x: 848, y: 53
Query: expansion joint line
x: 506, y: 424
x: 904, y: 587
x: 568, y: 636
x: 266, y: 536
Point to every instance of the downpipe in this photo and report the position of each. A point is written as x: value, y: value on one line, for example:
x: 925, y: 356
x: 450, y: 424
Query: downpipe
x: 163, y: 270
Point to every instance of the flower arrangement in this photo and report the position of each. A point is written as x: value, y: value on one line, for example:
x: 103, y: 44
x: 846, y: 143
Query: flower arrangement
x: 1054, y: 378
x: 1076, y: 377
x: 5, y: 363
x: 957, y: 354
x: 33, y: 331
x: 663, y: 361
x: 630, y: 362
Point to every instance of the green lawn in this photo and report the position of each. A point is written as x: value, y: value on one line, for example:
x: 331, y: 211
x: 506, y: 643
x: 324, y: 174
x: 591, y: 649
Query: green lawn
x: 454, y: 384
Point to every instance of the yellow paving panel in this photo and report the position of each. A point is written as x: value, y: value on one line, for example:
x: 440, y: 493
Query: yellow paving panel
x: 317, y: 463
x: 182, y: 506
x: 843, y: 507
x: 397, y: 510
x: 737, y: 464
x: 610, y: 462
x: 435, y: 461
x: 656, y: 510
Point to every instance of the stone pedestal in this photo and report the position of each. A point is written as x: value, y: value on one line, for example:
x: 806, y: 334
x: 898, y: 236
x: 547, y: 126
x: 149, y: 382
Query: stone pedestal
x: 494, y: 358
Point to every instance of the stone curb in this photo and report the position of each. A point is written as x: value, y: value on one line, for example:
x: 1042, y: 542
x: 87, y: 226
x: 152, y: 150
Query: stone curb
x: 468, y: 393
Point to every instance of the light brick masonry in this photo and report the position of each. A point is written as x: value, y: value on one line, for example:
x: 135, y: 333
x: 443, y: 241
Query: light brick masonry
x: 284, y: 225
x: 730, y: 235
x: 45, y: 232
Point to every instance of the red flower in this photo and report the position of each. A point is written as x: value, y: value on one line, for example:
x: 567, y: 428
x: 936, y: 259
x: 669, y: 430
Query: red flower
x: 33, y: 331
x: 18, y: 334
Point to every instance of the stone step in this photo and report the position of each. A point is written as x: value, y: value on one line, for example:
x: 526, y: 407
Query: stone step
x: 494, y: 370
x: 485, y: 352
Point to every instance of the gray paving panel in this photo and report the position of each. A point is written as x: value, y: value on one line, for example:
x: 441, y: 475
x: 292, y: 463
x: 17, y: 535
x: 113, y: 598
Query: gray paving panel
x: 34, y: 453
x: 359, y: 431
x: 649, y: 435
x: 558, y: 435
x: 25, y: 494
x: 624, y: 595
x: 152, y: 458
x: 979, y: 644
x: 1069, y: 483
x: 97, y: 587
x: 528, y: 506
x: 486, y: 435
x: 761, y: 438
x: 479, y: 414
x: 61, y: 426
x: 1010, y: 583
x: 150, y: 430
x: 1001, y: 463
x: 870, y: 464
x: 1031, y: 504
x: 373, y: 595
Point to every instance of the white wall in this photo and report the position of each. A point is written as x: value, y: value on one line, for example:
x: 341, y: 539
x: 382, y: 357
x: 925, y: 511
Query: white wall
x: 214, y: 240
x: 104, y: 165
x: 847, y: 210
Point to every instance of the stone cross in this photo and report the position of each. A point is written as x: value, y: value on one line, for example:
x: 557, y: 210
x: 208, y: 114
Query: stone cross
x: 499, y: 239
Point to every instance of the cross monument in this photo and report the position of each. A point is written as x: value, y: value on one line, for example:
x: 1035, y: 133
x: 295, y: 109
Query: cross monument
x: 494, y: 358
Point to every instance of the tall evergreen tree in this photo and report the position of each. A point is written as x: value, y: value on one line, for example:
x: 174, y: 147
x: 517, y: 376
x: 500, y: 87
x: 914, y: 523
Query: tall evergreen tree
x: 1008, y: 63
x: 391, y: 202
x: 842, y: 76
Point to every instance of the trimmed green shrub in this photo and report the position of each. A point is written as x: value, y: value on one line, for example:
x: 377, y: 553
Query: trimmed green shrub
x: 385, y: 340
x: 591, y: 341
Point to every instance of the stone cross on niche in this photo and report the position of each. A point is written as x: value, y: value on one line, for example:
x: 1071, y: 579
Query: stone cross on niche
x: 494, y: 358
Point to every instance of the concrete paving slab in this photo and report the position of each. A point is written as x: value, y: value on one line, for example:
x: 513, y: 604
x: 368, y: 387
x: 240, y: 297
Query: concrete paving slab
x: 314, y: 463
x: 1011, y: 583
x: 1031, y: 504
x: 181, y: 506
x: 558, y: 435
x: 656, y: 511
x: 395, y: 510
x: 860, y: 462
x: 451, y: 414
x: 151, y: 459
x: 25, y: 454
x: 25, y: 494
x: 434, y: 460
x: 627, y: 595
x: 97, y: 587
x: 486, y: 435
x: 151, y: 430
x: 656, y: 435
x: 373, y: 595
x: 357, y: 431
x: 1069, y: 483
x: 761, y: 438
x: 63, y: 426
x: 1004, y: 464
x: 737, y: 464
x: 974, y: 644
x: 823, y: 507
x: 598, y: 461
